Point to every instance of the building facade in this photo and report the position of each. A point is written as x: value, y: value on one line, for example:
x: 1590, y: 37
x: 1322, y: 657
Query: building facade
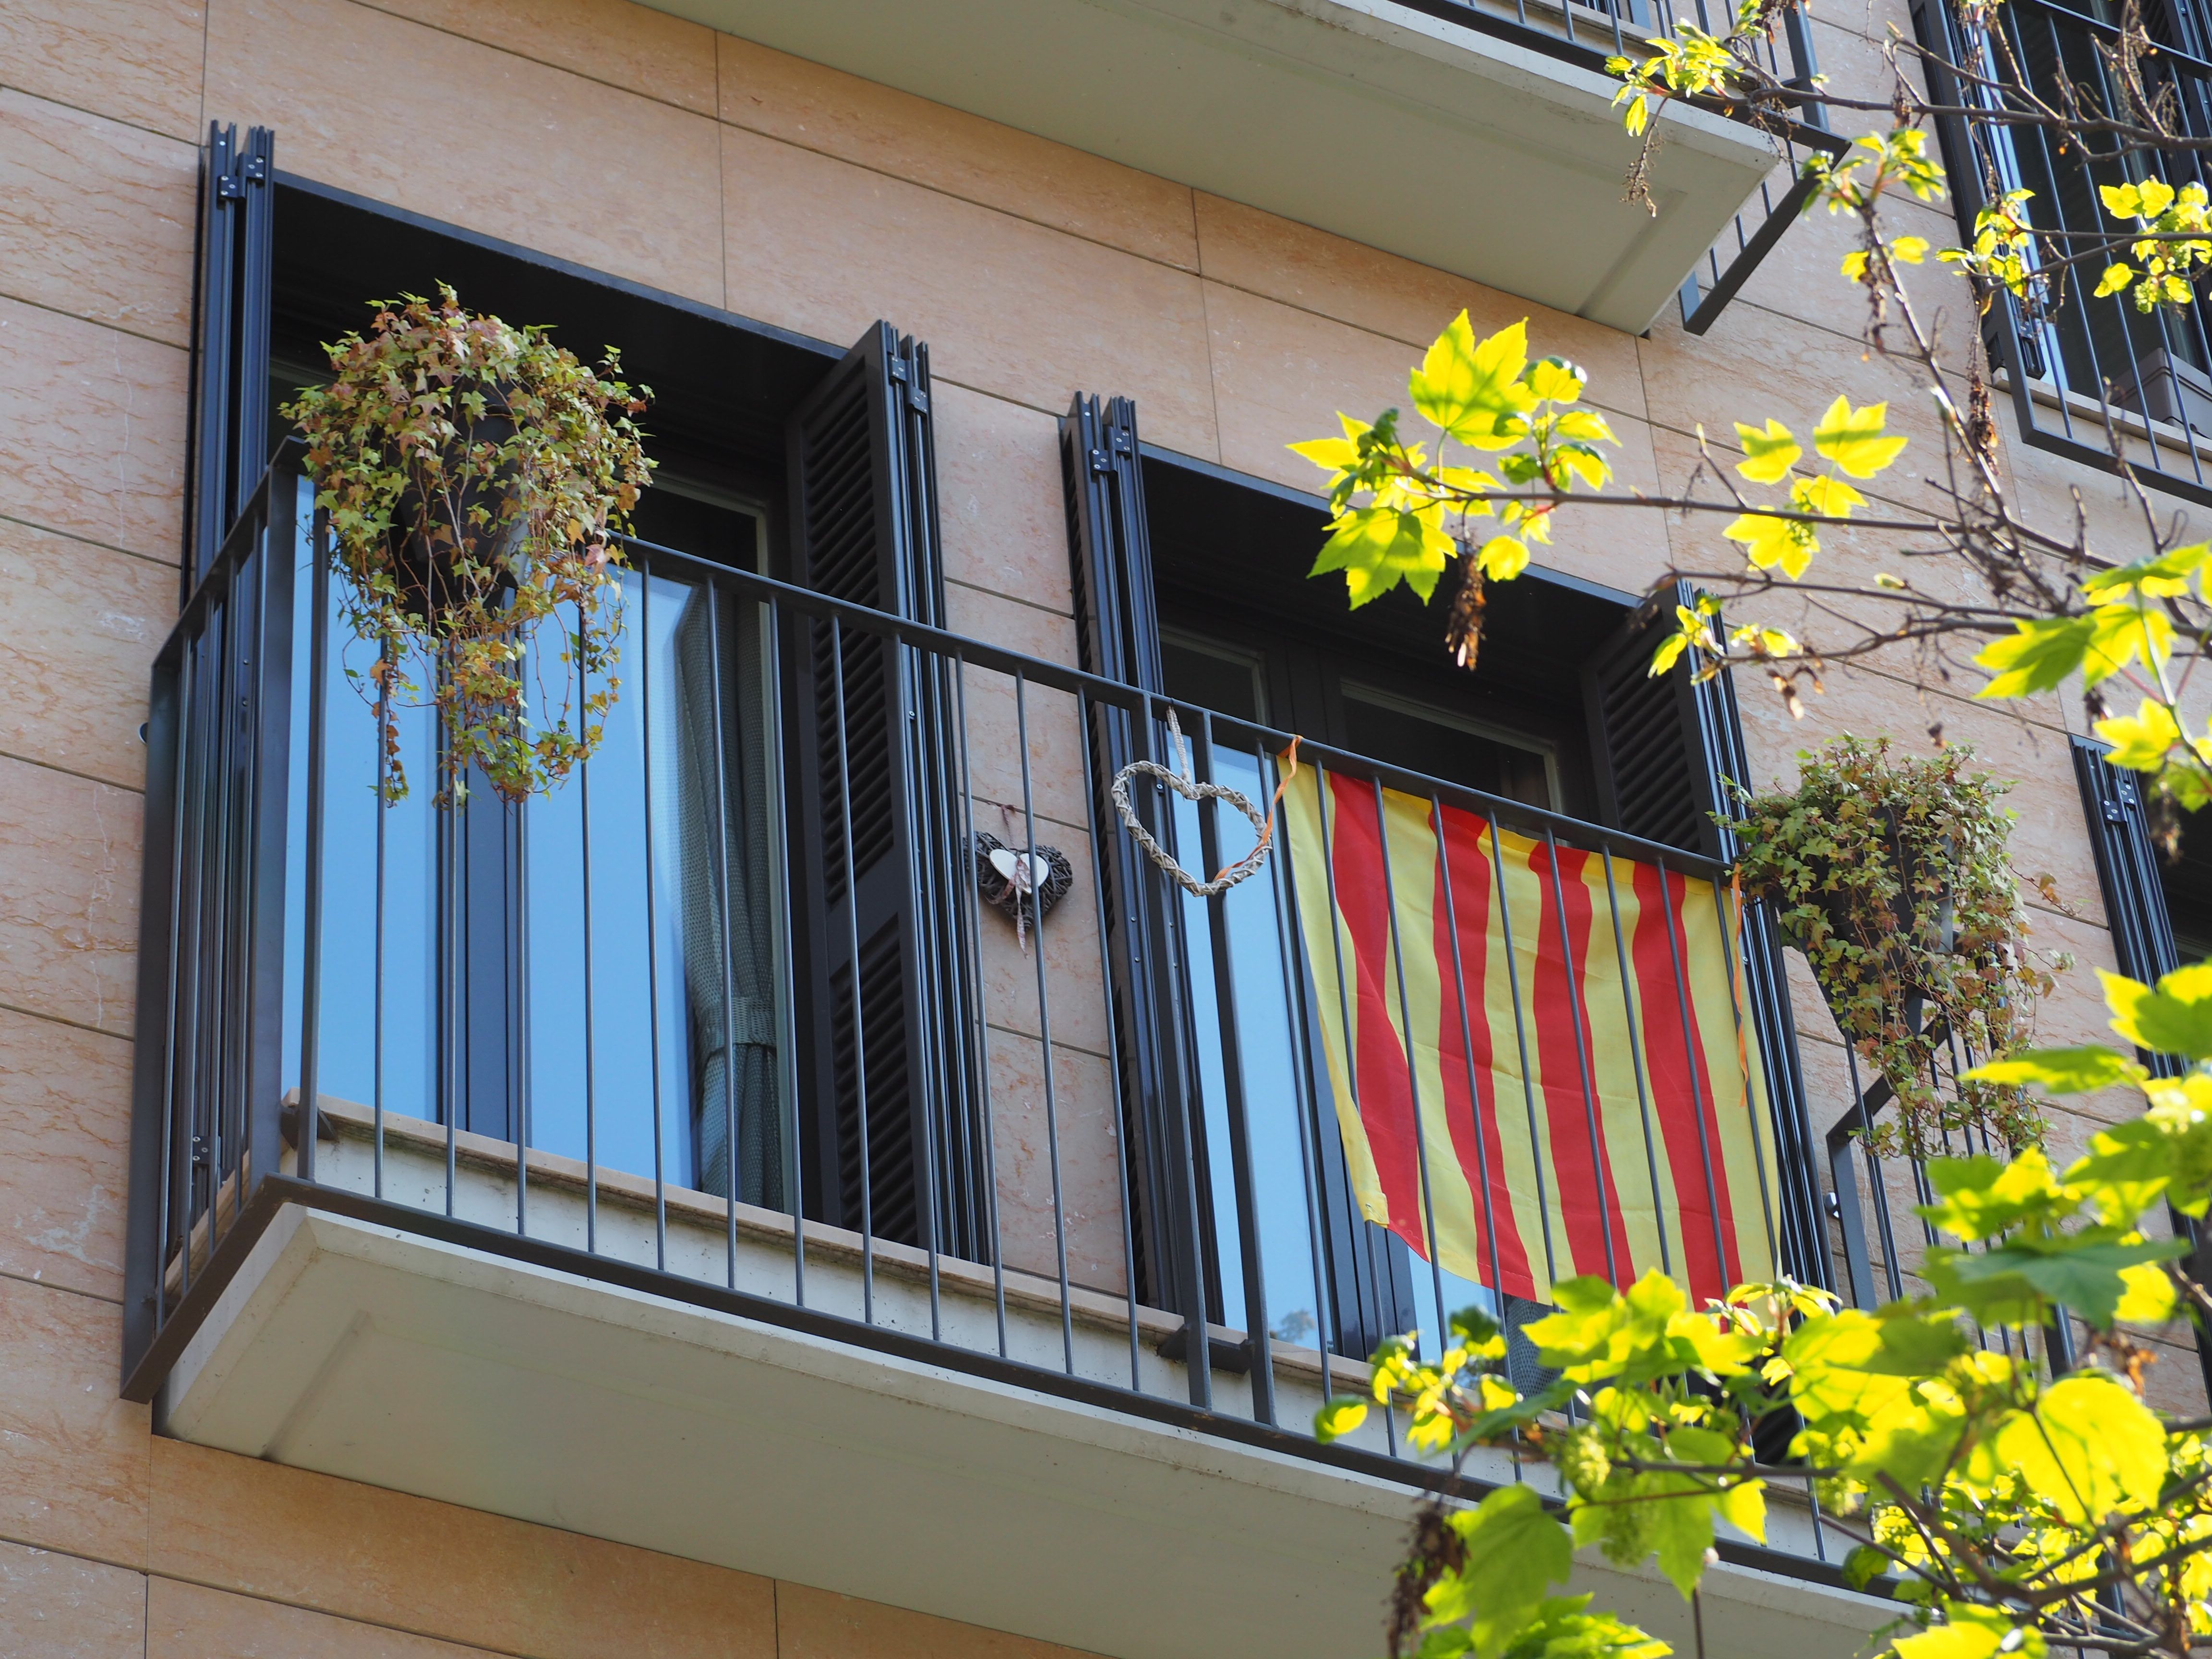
x: 762, y: 1198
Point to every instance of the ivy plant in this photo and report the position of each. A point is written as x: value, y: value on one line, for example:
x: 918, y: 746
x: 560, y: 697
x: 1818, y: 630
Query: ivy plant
x: 1893, y: 875
x: 472, y: 475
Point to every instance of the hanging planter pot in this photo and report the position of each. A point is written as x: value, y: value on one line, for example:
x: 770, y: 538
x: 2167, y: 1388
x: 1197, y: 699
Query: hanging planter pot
x: 472, y: 477
x: 431, y: 545
x: 1893, y: 877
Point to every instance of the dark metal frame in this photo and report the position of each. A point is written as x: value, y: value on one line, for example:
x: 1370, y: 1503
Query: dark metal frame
x: 2018, y: 342
x: 228, y: 442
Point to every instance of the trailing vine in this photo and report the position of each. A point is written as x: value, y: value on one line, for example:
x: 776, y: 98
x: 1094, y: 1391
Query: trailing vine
x: 1893, y: 876
x: 472, y: 474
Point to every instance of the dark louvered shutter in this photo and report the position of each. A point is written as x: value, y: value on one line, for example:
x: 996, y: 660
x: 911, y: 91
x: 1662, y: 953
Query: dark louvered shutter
x: 230, y: 367
x: 1117, y: 627
x: 1664, y: 748
x: 890, y: 1062
x: 2127, y: 869
x: 2142, y: 931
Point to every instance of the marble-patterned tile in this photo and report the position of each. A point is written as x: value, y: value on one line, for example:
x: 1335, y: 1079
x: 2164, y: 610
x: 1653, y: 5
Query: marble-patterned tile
x: 641, y: 49
x: 135, y: 60
x: 69, y: 896
x: 61, y: 1607
x: 65, y: 1153
x: 73, y: 1456
x: 190, y: 1621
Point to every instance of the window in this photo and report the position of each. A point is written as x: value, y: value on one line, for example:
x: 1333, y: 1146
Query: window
x: 1192, y: 582
x: 651, y: 965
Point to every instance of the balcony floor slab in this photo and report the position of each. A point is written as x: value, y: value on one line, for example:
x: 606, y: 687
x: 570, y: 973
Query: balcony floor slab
x: 1462, y: 149
x: 381, y: 1356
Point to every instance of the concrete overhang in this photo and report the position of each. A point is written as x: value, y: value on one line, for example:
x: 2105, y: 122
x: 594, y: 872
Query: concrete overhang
x: 1462, y: 149
x: 383, y: 1357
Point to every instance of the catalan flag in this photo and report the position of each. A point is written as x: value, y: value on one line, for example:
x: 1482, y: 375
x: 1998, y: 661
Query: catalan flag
x: 1528, y: 1089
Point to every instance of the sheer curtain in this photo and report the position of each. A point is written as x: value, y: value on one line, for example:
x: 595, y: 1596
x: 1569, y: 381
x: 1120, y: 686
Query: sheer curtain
x: 723, y: 813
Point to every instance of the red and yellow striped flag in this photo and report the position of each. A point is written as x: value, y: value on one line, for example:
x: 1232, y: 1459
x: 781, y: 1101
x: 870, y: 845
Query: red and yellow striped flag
x: 1529, y: 1093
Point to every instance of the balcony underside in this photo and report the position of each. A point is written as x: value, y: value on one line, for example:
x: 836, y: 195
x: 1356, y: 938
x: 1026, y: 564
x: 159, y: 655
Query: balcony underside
x: 1466, y: 150
x: 376, y: 1355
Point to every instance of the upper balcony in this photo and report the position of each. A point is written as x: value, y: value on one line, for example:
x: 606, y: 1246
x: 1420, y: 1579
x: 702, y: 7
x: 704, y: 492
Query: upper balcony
x: 1475, y: 136
x: 715, y: 1156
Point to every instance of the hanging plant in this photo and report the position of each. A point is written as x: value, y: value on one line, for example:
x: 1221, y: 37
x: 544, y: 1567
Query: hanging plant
x: 1892, y: 875
x: 472, y: 474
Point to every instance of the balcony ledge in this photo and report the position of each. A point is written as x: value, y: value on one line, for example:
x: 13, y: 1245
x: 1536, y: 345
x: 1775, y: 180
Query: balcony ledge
x: 381, y: 1356
x: 1496, y: 160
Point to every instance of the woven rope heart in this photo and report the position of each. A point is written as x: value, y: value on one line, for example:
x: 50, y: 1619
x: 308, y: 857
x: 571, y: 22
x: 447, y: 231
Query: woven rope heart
x: 1190, y: 789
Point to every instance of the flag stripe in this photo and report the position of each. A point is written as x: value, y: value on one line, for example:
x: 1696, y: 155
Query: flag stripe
x: 1537, y: 1060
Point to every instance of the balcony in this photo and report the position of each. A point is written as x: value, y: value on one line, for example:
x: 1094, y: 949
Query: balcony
x: 584, y: 1163
x: 1475, y: 136
x: 2090, y: 376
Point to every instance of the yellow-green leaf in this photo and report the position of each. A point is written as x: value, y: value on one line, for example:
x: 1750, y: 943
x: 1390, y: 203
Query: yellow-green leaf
x: 1769, y: 540
x: 1330, y: 454
x: 2174, y: 1017
x: 2036, y: 657
x: 2115, y: 279
x: 1503, y: 558
x: 1911, y: 249
x: 1853, y: 438
x: 1555, y: 379
x: 1472, y: 388
x: 2141, y: 740
x: 1768, y: 455
x: 1338, y: 1418
x: 2122, y: 633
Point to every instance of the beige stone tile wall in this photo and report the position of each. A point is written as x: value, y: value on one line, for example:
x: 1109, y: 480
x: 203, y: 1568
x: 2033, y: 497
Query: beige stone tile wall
x: 627, y: 140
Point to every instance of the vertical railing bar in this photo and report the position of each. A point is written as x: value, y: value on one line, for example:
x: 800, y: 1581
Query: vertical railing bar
x: 591, y: 1046
x: 1467, y: 1052
x: 1521, y: 1038
x: 1600, y: 1156
x: 241, y: 827
x: 186, y: 713
x: 203, y: 815
x: 1893, y: 1274
x: 456, y: 896
x: 230, y: 1013
x: 1412, y: 1059
x: 941, y: 1211
x: 1044, y: 1037
x: 853, y: 963
x: 1291, y: 945
x: 1640, y: 1063
x: 1198, y: 1349
x: 383, y: 824
x: 202, y: 743
x: 1733, y: 960
x: 652, y: 915
x: 1083, y: 713
x: 1326, y: 798
x: 983, y: 1025
x: 729, y: 930
x: 1677, y: 943
x: 223, y: 929
x: 311, y: 999
x: 1263, y: 1364
x: 518, y: 996
x: 786, y: 1066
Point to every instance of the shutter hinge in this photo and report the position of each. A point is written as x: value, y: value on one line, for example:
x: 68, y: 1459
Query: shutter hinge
x: 256, y: 169
x: 229, y: 188
x: 1121, y: 441
x: 2115, y: 813
x: 1100, y: 461
x: 917, y: 398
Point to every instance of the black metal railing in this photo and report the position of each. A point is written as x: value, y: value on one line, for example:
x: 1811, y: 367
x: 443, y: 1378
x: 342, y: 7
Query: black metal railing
x: 645, y: 1030
x: 2086, y: 373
